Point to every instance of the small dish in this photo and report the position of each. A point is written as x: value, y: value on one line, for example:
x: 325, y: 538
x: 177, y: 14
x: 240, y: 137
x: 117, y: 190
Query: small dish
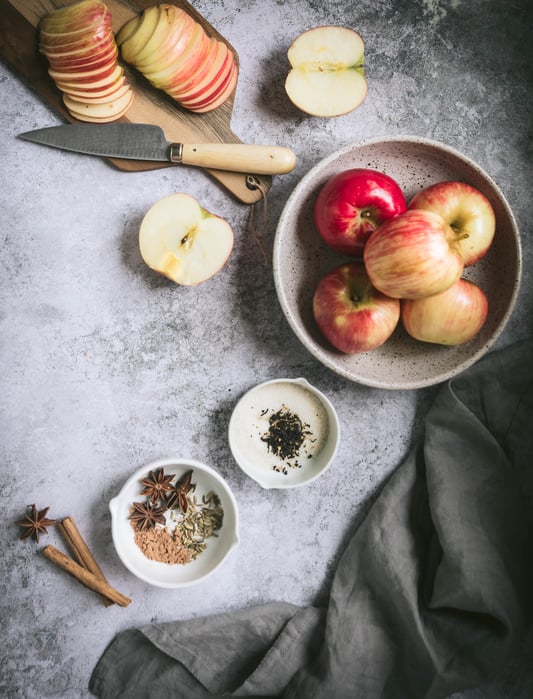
x: 284, y: 433
x: 218, y: 547
x: 301, y: 258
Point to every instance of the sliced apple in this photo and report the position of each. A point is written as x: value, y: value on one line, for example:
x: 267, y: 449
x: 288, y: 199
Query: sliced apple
x: 137, y: 39
x: 103, y: 111
x: 205, y: 71
x: 84, y: 76
x: 96, y: 85
x: 107, y: 88
x: 183, y: 65
x: 80, y: 46
x: 221, y: 98
x: 216, y: 67
x: 216, y: 99
x: 327, y: 76
x: 97, y: 61
x: 178, y: 56
x: 88, y: 36
x: 171, y: 34
x: 179, y: 239
x: 109, y: 96
x: 51, y: 39
x: 128, y: 29
x: 74, y: 17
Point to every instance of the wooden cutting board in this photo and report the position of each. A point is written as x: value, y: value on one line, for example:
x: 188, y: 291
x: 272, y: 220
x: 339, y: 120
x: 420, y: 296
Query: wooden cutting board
x: 19, y: 20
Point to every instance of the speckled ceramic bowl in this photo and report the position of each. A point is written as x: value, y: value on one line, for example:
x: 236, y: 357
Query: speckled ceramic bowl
x: 301, y: 258
x: 174, y: 575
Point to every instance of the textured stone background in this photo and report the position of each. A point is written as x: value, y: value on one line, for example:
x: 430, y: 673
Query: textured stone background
x: 105, y: 367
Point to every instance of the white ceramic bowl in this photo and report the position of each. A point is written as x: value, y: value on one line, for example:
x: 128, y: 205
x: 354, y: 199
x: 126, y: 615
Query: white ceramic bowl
x: 250, y: 421
x: 301, y: 257
x: 164, y: 574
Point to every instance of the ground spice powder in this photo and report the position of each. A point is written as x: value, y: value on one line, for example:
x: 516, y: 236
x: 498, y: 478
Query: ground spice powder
x: 160, y: 544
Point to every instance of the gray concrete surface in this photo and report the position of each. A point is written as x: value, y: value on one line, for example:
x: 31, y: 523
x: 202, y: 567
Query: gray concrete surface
x: 105, y: 367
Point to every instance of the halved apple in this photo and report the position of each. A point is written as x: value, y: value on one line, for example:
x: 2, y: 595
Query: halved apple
x: 182, y: 241
x: 327, y: 75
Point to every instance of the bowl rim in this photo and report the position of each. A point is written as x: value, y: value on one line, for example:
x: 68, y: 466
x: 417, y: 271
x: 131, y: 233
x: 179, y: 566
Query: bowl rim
x: 117, y: 523
x: 333, y: 434
x: 301, y: 188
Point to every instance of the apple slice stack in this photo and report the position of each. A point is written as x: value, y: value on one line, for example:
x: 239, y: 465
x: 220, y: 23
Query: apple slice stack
x: 174, y: 53
x: 80, y: 46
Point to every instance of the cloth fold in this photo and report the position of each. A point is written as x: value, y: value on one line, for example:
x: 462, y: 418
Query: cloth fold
x: 432, y: 595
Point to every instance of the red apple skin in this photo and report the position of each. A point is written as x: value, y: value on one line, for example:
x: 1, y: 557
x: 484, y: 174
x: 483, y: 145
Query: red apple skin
x: 80, y: 15
x: 452, y: 317
x: 413, y: 255
x: 466, y: 210
x: 352, y: 315
x: 352, y: 204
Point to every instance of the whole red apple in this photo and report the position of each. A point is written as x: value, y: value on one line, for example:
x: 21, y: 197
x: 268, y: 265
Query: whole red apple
x: 352, y: 204
x: 466, y: 210
x: 352, y: 315
x: 452, y: 317
x: 413, y: 255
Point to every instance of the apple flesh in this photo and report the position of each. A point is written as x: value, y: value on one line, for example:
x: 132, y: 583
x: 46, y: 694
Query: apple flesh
x: 350, y: 313
x: 352, y: 204
x: 413, y: 255
x: 80, y: 47
x: 466, y: 210
x: 326, y: 77
x: 452, y: 317
x: 182, y: 241
x: 175, y: 54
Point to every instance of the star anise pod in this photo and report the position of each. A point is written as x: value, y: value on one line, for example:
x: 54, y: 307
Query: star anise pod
x: 146, y: 515
x: 178, y: 495
x: 35, y: 523
x: 157, y: 485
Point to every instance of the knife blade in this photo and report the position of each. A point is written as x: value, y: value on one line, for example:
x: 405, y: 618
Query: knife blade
x: 148, y: 142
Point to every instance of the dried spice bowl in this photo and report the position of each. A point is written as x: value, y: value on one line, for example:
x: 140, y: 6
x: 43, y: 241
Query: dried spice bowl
x: 284, y: 433
x: 183, y: 536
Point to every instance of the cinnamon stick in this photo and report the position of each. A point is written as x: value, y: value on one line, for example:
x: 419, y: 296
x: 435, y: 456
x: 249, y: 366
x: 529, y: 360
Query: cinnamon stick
x: 86, y: 577
x: 81, y: 551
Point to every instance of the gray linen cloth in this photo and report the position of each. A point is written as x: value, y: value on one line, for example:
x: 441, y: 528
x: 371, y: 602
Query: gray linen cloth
x: 432, y: 595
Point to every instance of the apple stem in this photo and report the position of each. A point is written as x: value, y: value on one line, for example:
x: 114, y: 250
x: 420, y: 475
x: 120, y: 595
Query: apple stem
x: 463, y: 236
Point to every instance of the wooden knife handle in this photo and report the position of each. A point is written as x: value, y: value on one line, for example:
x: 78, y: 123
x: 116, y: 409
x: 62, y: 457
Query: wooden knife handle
x: 236, y: 157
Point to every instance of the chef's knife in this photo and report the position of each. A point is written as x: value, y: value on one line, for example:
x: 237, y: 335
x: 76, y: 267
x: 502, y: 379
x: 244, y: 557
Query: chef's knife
x: 148, y: 142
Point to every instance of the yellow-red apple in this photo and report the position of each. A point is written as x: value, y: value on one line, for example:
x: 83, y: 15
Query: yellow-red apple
x: 413, y: 255
x: 452, y: 317
x: 466, y: 210
x: 350, y: 313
